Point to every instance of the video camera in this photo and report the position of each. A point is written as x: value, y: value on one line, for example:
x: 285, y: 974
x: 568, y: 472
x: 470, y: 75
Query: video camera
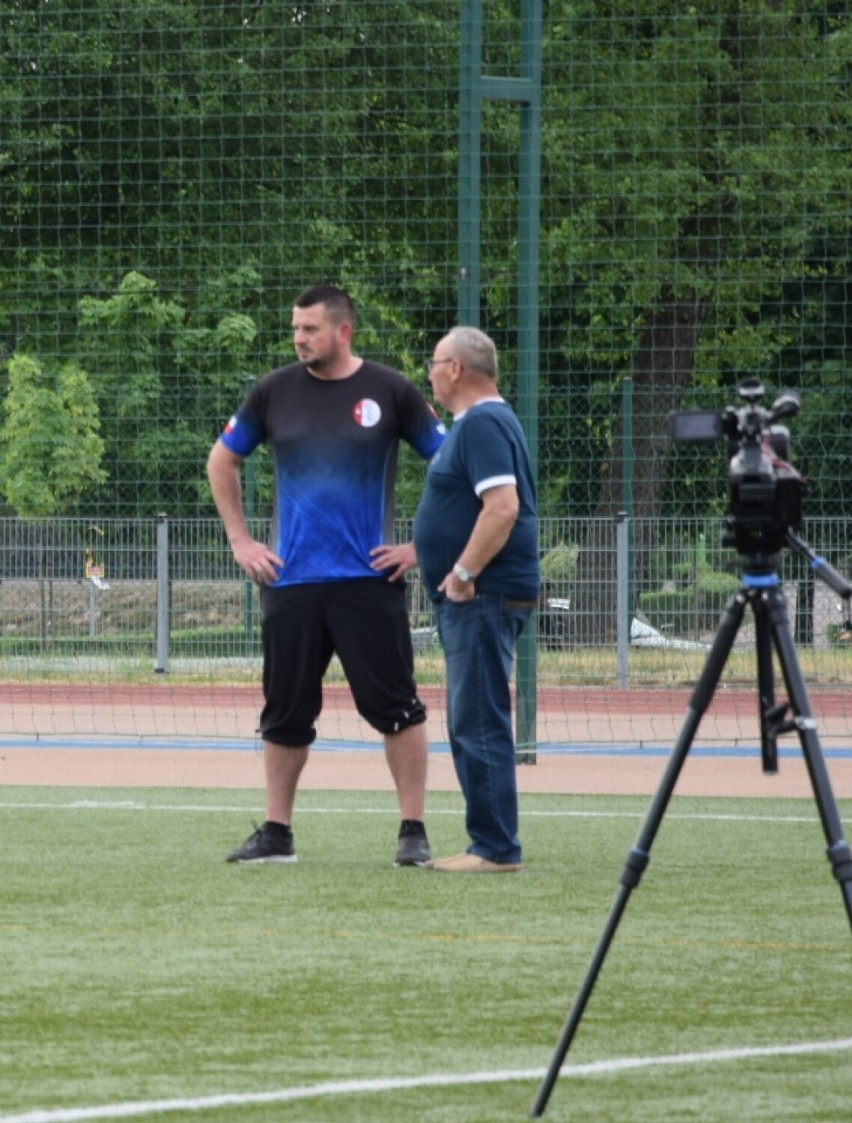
x: 765, y: 490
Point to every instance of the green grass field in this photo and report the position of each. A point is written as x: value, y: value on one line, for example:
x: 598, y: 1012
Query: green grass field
x: 140, y: 969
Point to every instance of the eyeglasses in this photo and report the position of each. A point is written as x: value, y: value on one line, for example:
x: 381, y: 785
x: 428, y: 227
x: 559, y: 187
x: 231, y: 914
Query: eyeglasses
x: 434, y: 363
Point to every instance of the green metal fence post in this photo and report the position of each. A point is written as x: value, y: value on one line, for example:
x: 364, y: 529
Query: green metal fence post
x: 470, y: 134
x: 528, y: 324
x: 474, y: 88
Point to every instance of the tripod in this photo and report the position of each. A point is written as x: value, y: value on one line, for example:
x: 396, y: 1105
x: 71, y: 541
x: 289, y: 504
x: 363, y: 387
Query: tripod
x: 761, y: 589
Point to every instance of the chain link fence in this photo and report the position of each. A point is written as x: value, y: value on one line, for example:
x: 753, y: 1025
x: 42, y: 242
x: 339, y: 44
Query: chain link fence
x: 667, y: 185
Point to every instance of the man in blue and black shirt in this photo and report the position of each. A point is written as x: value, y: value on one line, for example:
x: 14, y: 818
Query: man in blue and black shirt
x: 333, y: 422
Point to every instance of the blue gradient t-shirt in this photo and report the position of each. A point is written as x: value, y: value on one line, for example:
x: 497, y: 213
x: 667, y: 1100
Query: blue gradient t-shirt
x: 334, y: 446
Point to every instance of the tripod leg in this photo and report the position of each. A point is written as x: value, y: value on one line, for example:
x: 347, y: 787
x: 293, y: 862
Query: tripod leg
x: 838, y: 850
x: 640, y: 855
x: 765, y: 687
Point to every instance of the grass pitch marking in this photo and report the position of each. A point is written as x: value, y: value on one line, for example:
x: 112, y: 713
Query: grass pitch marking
x: 355, y: 1087
x: 220, y: 809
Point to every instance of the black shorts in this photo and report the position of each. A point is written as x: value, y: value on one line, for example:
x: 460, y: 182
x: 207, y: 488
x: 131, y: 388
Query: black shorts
x: 365, y: 623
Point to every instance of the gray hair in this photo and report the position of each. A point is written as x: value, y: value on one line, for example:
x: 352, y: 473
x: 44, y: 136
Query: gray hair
x: 475, y: 350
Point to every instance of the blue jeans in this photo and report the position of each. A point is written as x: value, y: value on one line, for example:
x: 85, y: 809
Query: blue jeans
x: 478, y: 638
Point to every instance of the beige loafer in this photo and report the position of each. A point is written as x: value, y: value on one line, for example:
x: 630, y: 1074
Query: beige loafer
x: 472, y: 863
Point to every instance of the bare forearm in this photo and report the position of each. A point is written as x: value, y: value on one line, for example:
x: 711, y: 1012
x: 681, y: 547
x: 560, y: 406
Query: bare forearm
x: 223, y: 472
x: 489, y: 535
x: 492, y: 528
x: 226, y: 487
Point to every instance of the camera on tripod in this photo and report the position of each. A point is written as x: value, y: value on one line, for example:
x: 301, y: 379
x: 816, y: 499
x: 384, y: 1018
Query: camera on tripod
x: 765, y: 513
x: 765, y: 489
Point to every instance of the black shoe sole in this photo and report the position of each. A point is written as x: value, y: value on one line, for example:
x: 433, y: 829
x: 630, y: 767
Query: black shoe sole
x: 277, y: 858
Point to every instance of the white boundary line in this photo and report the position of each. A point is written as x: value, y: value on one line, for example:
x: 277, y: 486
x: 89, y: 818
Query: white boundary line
x: 356, y: 1087
x: 528, y: 813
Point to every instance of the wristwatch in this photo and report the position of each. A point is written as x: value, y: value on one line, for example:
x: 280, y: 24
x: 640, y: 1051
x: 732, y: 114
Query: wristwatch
x: 462, y: 573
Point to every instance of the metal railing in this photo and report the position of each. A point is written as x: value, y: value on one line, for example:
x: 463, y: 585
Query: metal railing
x: 164, y: 588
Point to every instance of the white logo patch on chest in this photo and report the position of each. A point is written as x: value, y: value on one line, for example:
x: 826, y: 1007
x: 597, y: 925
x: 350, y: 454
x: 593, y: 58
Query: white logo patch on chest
x: 367, y: 413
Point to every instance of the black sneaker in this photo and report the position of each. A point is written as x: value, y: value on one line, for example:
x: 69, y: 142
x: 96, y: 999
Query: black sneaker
x: 413, y: 847
x: 271, y: 842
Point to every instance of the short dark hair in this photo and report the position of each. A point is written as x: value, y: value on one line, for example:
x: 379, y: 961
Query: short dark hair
x: 337, y: 302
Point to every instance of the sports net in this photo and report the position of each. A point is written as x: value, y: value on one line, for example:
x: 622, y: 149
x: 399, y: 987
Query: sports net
x: 173, y: 173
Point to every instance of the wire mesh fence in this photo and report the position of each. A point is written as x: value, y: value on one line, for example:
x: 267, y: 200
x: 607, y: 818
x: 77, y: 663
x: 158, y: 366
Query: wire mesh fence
x: 641, y: 204
x: 174, y: 173
x: 109, y: 614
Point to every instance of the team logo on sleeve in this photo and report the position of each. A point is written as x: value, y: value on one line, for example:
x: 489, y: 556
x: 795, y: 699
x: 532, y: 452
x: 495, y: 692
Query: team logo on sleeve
x: 367, y: 413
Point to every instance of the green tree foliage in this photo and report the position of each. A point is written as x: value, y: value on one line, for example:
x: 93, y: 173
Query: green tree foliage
x: 230, y: 155
x: 156, y: 376
x: 50, y: 447
x: 173, y: 173
x: 698, y: 151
